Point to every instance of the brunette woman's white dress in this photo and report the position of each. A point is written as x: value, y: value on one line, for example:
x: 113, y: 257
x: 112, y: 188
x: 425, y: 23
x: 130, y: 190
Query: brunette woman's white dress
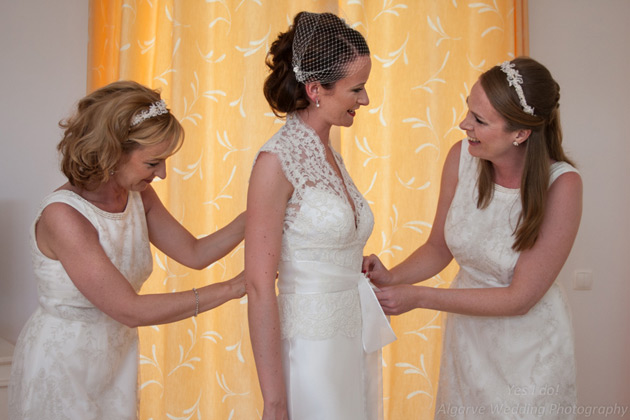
x: 332, y: 325
x: 519, y: 367
x: 71, y: 360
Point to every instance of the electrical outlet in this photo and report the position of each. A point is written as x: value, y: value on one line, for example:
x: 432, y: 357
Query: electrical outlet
x: 583, y: 280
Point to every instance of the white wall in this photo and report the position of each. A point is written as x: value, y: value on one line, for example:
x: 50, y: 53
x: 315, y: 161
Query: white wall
x: 585, y: 45
x: 583, y: 42
x: 43, y: 62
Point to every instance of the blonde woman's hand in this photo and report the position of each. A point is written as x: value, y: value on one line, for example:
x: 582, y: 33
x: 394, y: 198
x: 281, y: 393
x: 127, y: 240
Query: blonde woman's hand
x: 237, y: 285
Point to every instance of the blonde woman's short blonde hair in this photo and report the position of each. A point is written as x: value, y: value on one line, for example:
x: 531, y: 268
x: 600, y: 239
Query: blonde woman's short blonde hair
x: 99, y: 135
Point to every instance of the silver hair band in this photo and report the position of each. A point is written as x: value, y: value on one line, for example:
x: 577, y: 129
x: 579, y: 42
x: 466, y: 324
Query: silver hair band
x: 515, y: 80
x: 156, y: 108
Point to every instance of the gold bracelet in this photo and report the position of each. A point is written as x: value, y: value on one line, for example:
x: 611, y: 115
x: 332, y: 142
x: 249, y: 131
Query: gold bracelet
x: 196, y: 301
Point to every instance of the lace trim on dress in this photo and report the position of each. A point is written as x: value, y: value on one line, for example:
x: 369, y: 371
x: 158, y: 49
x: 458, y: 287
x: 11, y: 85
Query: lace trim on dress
x: 320, y: 316
x: 303, y: 159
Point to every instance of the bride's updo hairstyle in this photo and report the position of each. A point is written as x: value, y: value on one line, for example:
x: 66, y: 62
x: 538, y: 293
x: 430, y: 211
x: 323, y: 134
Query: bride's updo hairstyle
x: 528, y: 98
x: 317, y: 47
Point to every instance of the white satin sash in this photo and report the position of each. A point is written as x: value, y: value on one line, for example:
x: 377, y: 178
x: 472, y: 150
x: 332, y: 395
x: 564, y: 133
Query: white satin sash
x: 307, y: 277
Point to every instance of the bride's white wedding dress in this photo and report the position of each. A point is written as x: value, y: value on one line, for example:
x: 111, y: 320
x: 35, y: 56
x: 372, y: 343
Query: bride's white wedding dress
x: 329, y: 316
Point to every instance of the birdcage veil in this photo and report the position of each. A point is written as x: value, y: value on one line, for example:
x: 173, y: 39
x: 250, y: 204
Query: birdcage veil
x: 325, y: 48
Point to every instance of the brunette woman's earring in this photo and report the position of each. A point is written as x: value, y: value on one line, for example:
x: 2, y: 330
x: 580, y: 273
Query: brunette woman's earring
x: 317, y: 103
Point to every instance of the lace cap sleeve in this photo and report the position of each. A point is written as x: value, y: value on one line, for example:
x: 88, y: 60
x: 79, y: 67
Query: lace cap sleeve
x: 275, y: 147
x: 296, y: 149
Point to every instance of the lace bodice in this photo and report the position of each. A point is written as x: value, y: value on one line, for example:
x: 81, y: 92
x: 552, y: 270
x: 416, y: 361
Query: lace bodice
x: 320, y: 227
x: 320, y: 224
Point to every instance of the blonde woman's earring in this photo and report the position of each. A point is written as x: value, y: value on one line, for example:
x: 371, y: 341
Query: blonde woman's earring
x: 515, y: 143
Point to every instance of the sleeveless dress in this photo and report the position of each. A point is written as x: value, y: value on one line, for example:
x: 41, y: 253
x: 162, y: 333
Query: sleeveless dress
x: 332, y: 325
x: 518, y: 367
x: 71, y: 360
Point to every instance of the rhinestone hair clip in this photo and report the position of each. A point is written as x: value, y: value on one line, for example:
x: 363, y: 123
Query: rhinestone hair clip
x: 515, y: 80
x: 156, y: 108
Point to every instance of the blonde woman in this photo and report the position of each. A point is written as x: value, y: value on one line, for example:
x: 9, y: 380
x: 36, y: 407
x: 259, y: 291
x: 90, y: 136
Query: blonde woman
x: 76, y: 357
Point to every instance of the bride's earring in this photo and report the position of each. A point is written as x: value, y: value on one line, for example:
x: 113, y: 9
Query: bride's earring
x: 515, y: 143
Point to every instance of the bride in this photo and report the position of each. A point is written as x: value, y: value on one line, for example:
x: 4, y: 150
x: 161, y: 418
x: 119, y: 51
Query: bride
x: 317, y: 344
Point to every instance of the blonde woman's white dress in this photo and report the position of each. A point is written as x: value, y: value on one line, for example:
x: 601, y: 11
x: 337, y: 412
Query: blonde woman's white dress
x: 71, y: 360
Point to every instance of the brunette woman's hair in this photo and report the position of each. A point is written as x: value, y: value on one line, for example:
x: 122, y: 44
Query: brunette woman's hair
x: 542, y: 93
x: 281, y: 88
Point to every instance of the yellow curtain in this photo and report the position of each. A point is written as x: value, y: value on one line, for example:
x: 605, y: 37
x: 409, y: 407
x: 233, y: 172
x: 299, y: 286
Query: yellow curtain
x: 207, y: 57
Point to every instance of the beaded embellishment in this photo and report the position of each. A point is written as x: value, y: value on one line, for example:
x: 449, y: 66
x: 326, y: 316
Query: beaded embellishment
x: 515, y: 80
x: 156, y: 108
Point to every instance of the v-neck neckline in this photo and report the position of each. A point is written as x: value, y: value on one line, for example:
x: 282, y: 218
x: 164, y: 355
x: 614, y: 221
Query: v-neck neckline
x: 342, y: 179
x: 345, y: 190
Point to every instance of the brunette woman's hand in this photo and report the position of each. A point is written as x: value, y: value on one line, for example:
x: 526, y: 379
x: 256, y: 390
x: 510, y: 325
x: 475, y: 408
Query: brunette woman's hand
x: 374, y: 269
x: 396, y: 300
